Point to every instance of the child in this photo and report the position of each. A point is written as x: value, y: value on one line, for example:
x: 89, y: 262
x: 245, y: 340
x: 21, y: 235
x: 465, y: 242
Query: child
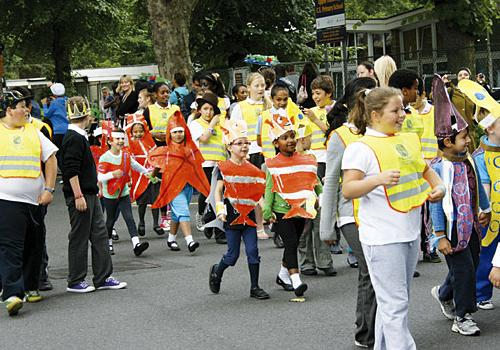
x: 243, y: 185
x: 180, y: 162
x: 291, y: 182
x: 387, y: 172
x: 144, y: 190
x: 207, y: 135
x: 114, y: 173
x: 455, y: 218
x: 313, y: 252
x: 85, y: 212
x: 484, y: 157
x: 145, y: 99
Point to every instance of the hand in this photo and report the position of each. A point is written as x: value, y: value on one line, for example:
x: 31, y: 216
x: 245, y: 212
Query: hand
x: 81, y: 204
x: 310, y: 114
x: 44, y: 101
x: 273, y: 219
x: 444, y: 246
x: 484, y: 219
x: 495, y: 276
x: 389, y: 177
x: 222, y: 217
x: 45, y: 198
x: 117, y: 173
x: 436, y: 194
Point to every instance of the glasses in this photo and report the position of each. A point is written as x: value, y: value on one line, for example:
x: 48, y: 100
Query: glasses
x: 241, y: 143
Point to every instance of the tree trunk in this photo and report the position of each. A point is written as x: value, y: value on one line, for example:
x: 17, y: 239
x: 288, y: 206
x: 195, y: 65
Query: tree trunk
x: 61, y: 54
x: 170, y: 23
x: 458, y: 46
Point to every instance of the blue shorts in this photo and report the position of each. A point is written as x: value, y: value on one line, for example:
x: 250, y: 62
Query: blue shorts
x: 179, y: 206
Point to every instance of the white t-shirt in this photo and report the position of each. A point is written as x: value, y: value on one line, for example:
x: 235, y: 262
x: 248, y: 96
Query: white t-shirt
x: 378, y: 223
x: 196, y: 131
x: 320, y: 155
x: 236, y: 114
x: 24, y: 189
x: 496, y: 258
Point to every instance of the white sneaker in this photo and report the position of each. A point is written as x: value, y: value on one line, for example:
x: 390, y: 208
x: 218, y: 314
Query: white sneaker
x: 199, y: 222
x: 465, y: 326
x: 447, y: 307
x: 486, y: 305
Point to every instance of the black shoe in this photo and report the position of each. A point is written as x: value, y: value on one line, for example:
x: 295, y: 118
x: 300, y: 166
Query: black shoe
x: 431, y: 257
x: 329, y: 271
x: 159, y: 231
x: 192, y: 246
x: 220, y: 236
x: 140, y: 247
x: 114, y: 235
x: 416, y: 274
x: 300, y: 290
x: 258, y: 293
x: 173, y: 246
x: 214, y: 280
x: 309, y: 272
x: 286, y: 286
x: 111, y: 250
x: 278, y: 242
x: 141, y: 230
x: 208, y: 232
x: 45, y: 285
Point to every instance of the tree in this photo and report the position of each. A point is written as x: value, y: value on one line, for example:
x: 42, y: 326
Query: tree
x: 170, y: 24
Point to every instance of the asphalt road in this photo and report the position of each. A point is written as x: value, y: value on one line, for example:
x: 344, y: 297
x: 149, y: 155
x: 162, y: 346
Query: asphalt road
x: 168, y: 305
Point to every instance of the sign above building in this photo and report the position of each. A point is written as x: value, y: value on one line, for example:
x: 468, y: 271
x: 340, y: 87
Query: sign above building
x: 330, y: 21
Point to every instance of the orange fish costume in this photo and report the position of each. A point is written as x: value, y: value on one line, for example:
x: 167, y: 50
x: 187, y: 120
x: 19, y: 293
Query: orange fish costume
x: 294, y: 178
x: 244, y: 184
x: 179, y: 163
x: 139, y: 149
x: 105, y: 131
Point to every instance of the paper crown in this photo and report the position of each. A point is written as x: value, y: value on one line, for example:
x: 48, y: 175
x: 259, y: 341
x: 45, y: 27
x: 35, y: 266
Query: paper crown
x: 233, y: 129
x: 481, y: 98
x: 447, y: 120
x: 303, y: 130
x: 132, y: 119
x: 74, y: 111
x: 279, y: 123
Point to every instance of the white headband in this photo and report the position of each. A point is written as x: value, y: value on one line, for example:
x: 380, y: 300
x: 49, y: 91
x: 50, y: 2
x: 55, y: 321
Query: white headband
x: 98, y: 132
x: 117, y: 135
x: 179, y: 128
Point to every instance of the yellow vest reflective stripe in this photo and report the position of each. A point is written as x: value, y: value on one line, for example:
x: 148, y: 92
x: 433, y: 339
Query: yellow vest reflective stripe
x: 428, y: 139
x: 40, y: 125
x: 159, y: 116
x: 292, y: 110
x: 20, y: 152
x: 214, y: 149
x: 401, y: 152
x: 492, y: 160
x: 250, y: 113
x: 318, y: 135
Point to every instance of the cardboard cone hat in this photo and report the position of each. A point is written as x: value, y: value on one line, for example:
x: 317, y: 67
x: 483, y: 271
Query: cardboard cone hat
x: 234, y: 129
x: 447, y: 120
x: 279, y: 124
x: 481, y: 98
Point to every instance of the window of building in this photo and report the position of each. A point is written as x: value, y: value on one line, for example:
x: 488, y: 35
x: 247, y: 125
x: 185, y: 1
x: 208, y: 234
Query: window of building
x: 378, y: 44
x: 425, y: 38
x: 410, y: 44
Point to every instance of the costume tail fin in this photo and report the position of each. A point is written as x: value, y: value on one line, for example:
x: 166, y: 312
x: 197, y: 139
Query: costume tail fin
x: 300, y: 212
x: 244, y: 220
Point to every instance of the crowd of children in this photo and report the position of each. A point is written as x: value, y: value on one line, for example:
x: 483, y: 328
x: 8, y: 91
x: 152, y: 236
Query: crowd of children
x: 383, y: 166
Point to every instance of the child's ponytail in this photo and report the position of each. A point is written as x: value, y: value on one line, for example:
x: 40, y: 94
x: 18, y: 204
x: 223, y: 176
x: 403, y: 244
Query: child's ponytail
x: 358, y: 116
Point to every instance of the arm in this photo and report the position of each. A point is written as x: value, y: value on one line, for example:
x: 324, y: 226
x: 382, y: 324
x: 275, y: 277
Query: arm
x: 219, y: 200
x: 46, y: 197
x: 80, y: 203
x: 138, y: 167
x: 267, y: 211
x: 438, y: 189
x: 312, y: 117
x: 495, y: 271
x: 207, y: 133
x: 355, y: 184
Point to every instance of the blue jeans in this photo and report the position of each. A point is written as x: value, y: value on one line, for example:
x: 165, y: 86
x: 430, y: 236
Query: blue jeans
x: 249, y: 235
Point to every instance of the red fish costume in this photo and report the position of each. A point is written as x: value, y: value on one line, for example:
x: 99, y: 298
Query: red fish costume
x: 117, y: 184
x: 139, y: 149
x: 98, y: 151
x: 179, y: 163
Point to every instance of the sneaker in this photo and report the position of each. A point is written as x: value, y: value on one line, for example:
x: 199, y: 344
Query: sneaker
x: 336, y: 249
x: 140, y: 247
x: 431, y: 257
x: 13, y: 305
x: 447, y: 307
x: 214, y: 280
x: 111, y: 249
x: 352, y: 261
x: 80, y: 287
x: 45, y: 285
x: 112, y: 283
x: 114, y: 235
x: 165, y: 224
x: 278, y: 242
x: 486, y: 305
x: 208, y: 232
x: 32, y: 296
x: 465, y: 326
x: 259, y: 293
x: 199, y: 222
x: 360, y: 345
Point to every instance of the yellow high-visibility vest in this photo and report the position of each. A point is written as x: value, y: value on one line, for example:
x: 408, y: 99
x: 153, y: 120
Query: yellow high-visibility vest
x: 40, y: 125
x: 159, y: 116
x: 20, y: 152
x: 292, y: 111
x: 214, y: 149
x: 413, y: 123
x: 221, y: 103
x: 250, y: 113
x: 401, y: 152
x: 428, y: 138
x: 318, y: 135
x: 492, y: 160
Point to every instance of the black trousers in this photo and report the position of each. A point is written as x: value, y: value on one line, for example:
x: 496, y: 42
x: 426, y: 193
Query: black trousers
x: 289, y: 231
x: 201, y: 198
x: 21, y: 246
x: 119, y: 205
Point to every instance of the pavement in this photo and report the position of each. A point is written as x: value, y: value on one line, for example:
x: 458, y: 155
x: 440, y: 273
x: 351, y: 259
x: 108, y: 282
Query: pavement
x: 168, y: 304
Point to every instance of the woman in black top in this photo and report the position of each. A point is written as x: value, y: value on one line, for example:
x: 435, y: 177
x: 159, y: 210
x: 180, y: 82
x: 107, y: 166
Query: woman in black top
x: 128, y: 99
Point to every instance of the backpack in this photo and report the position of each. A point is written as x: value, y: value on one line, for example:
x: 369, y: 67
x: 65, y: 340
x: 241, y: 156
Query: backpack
x: 183, y: 105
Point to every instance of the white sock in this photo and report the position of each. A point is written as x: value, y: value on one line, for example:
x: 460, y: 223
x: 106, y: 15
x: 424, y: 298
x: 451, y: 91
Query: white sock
x: 171, y: 238
x: 188, y: 239
x: 110, y: 242
x: 295, y: 280
x: 284, y: 275
x: 135, y: 241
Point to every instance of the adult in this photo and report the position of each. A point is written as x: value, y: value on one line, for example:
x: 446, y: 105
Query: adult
x: 292, y: 75
x: 365, y: 69
x: 195, y: 92
x: 481, y: 80
x: 106, y: 100
x: 128, y: 103
x: 212, y: 82
x: 54, y: 109
x: 384, y: 66
x: 179, y: 94
x: 309, y: 73
x: 23, y: 192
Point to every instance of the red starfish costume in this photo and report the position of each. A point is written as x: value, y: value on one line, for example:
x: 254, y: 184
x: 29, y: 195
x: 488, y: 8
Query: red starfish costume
x: 179, y: 163
x: 98, y: 151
